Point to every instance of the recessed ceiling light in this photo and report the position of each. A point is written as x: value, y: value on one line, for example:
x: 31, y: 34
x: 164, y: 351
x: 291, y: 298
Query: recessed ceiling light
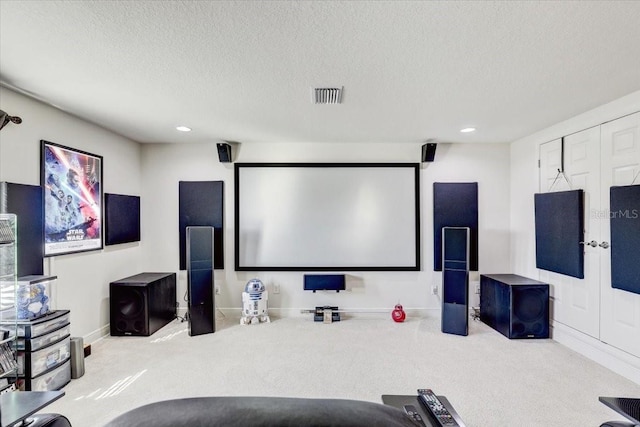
x: 467, y: 130
x: 183, y: 129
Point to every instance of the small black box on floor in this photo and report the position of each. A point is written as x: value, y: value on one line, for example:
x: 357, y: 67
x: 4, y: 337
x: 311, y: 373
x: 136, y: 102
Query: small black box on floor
x: 319, y: 315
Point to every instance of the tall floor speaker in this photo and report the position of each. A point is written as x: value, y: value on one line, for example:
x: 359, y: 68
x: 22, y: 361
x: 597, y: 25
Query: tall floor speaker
x: 515, y: 306
x: 200, y: 280
x: 142, y: 304
x: 455, y: 280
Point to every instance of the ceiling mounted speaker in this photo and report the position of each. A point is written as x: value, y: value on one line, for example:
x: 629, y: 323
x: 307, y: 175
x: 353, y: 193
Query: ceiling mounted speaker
x: 429, y: 151
x: 224, y: 152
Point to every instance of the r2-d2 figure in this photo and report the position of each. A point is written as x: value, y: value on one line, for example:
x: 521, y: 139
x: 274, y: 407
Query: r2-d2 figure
x: 254, y: 303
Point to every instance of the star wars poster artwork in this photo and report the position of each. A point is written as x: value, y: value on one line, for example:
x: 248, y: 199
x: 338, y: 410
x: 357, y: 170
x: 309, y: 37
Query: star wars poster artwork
x: 72, y: 191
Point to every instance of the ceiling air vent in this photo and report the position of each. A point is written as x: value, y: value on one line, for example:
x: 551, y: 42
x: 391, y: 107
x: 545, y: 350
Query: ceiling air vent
x: 327, y: 95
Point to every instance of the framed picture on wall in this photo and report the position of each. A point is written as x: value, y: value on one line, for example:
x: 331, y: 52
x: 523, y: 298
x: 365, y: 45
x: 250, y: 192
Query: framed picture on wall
x: 72, y: 198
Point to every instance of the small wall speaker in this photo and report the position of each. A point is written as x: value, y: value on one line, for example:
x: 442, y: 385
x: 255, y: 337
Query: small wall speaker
x: 429, y: 152
x: 224, y: 152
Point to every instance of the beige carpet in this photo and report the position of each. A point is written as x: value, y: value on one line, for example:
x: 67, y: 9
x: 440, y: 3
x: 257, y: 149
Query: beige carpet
x: 489, y: 379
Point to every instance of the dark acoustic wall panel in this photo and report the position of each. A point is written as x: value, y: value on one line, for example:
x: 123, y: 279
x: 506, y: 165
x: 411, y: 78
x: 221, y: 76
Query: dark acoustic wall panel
x: 455, y: 205
x: 200, y: 280
x: 121, y: 218
x: 559, y: 223
x: 625, y: 237
x: 201, y: 203
x: 25, y: 201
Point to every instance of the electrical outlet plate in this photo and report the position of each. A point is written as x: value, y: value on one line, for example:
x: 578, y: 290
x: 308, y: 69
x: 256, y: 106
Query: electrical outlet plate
x: 434, y: 289
x: 276, y: 288
x: 217, y: 290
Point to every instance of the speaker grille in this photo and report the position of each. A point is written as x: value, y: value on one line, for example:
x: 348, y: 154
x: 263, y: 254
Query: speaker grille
x: 530, y: 312
x: 531, y: 305
x: 130, y: 303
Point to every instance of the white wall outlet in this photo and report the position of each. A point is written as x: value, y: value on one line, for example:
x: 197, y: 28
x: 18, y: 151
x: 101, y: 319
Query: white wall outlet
x: 217, y: 290
x: 478, y: 288
x: 276, y: 288
x: 434, y: 289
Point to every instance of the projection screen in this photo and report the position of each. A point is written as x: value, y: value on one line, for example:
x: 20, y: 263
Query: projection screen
x: 327, y: 217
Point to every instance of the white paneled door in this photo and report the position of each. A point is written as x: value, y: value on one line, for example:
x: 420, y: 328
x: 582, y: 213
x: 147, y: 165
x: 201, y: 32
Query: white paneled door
x: 576, y: 302
x: 620, y: 310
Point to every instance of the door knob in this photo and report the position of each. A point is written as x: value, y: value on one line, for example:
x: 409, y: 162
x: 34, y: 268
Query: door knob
x: 604, y: 245
x: 592, y: 243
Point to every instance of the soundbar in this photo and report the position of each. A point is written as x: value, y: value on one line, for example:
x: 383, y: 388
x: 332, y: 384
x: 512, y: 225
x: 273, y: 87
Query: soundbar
x: 324, y: 282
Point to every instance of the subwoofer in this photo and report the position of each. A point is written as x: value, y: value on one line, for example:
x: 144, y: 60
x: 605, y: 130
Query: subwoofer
x: 142, y: 304
x: 515, y: 306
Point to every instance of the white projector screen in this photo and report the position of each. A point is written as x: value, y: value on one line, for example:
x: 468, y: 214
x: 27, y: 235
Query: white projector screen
x: 327, y: 216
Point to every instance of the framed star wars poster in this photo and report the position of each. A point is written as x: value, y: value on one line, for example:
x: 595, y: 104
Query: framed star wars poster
x: 72, y: 198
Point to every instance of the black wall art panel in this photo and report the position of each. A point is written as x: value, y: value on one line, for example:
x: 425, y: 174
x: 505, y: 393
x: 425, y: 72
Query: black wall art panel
x: 201, y: 204
x: 559, y: 223
x: 625, y: 237
x: 455, y: 205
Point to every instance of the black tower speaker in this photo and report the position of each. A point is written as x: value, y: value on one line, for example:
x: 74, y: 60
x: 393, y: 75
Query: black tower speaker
x: 429, y: 151
x: 455, y: 280
x: 142, y: 304
x: 515, y: 306
x: 224, y: 152
x: 200, y: 280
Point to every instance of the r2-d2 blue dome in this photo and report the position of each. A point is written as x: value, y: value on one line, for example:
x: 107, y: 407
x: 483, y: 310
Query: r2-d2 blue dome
x: 254, y: 303
x: 254, y: 286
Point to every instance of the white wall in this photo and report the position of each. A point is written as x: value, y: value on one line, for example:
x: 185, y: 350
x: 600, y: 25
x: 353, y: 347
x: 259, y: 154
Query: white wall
x: 164, y: 165
x: 153, y: 171
x: 83, y: 279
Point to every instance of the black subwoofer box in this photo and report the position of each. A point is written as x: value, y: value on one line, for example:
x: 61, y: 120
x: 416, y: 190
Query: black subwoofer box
x: 142, y: 304
x: 515, y: 306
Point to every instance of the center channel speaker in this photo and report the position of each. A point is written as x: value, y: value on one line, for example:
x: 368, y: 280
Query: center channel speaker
x: 515, y: 306
x: 142, y: 304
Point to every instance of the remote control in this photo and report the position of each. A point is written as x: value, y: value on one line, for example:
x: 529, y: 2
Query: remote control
x: 433, y: 405
x: 413, y: 413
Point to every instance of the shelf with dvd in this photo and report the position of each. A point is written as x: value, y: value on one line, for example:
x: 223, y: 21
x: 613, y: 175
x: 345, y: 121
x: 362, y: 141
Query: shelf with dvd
x: 8, y: 307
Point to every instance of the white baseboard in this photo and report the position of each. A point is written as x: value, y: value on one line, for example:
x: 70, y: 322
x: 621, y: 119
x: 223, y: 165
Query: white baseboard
x: 618, y: 361
x: 378, y: 313
x: 96, y: 335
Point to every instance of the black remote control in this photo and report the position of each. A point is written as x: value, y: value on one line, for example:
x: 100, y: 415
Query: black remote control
x: 432, y: 404
x: 414, y: 414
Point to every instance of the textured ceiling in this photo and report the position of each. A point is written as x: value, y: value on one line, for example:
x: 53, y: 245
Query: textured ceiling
x: 243, y: 71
